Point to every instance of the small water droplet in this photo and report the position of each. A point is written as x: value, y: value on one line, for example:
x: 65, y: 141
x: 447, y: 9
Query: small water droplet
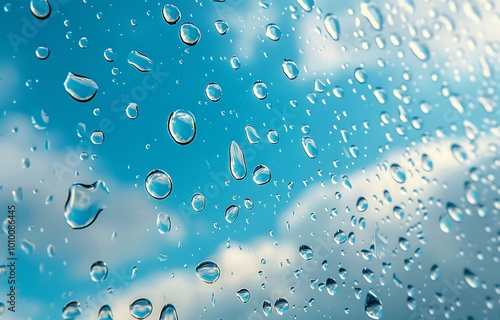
x: 455, y: 212
x: 80, y: 88
x: 459, y: 153
x: 168, y: 313
x: 309, y: 147
x: 141, y: 308
x: 273, y: 137
x: 213, y: 92
x: 98, y: 271
x: 41, y: 9
x: 306, y: 5
x: 182, y: 126
x: 267, y: 308
x: 171, y: 14
x: 97, y: 137
x: 472, y: 279
x: 372, y: 14
x: 84, y: 203
x: 361, y: 204
x: 435, y: 272
x: 281, y: 306
x: 72, y: 310
x: 261, y: 174
x: 42, y: 52
x: 132, y: 111
x: 198, y: 202
x: 259, y: 90
x: 158, y: 184
x: 139, y: 61
x: 373, y: 306
x: 306, y: 252
x: 273, y: 32
x: 235, y: 62
x: 105, y: 313
x: 397, y: 173
x: 237, y: 164
x: 208, y: 271
x: 163, y: 222
x: 109, y: 55
x: 290, y: 69
x: 243, y: 295
x: 221, y: 26
x: 189, y: 33
x: 332, y: 26
x: 419, y: 49
x: 231, y: 213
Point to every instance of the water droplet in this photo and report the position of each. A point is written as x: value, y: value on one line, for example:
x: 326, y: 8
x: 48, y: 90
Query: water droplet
x: 182, y: 126
x: 273, y: 137
x: 189, y: 33
x: 141, y: 308
x: 132, y: 111
x: 380, y: 95
x: 472, y: 279
x: 273, y: 32
x: 105, y: 313
x: 455, y: 212
x: 281, y: 306
x: 372, y: 14
x: 72, y: 310
x: 97, y: 137
x: 331, y: 286
x: 360, y: 75
x: 248, y: 204
x: 373, y: 306
x: 471, y: 193
x: 306, y: 252
x: 221, y: 26
x: 208, y: 271
x: 435, y: 272
x: 445, y: 223
x: 259, y: 90
x: 80, y: 88
x: 232, y: 213
x: 84, y: 203
x: 163, y: 222
x: 171, y: 14
x: 42, y: 52
x: 98, y: 271
x: 459, y: 153
x: 306, y: 5
x: 252, y: 135
x: 243, y: 295
x: 27, y: 246
x: 404, y: 244
x: 261, y: 174
x: 168, y: 313
x: 426, y: 162
x: 235, y: 62
x: 362, y: 204
x: 419, y: 49
x: 339, y: 237
x: 139, y: 61
x: 213, y: 92
x: 237, y: 164
x: 51, y: 251
x: 309, y: 147
x: 41, y: 9
x: 158, y: 184
x: 109, y: 55
x: 290, y: 69
x: 83, y: 42
x: 332, y: 26
x: 198, y: 202
x: 398, y: 213
x: 397, y: 173
x: 267, y: 308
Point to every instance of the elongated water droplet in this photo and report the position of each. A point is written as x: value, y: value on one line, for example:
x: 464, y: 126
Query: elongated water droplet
x: 231, y: 213
x: 163, y: 223
x: 426, y: 162
x: 105, y: 313
x: 435, y: 272
x: 331, y: 286
x: 168, y: 313
x: 360, y: 75
x: 80, y: 88
x: 332, y: 26
x: 472, y: 279
x: 171, y: 14
x: 372, y: 14
x: 273, y: 32
x: 243, y: 295
x: 290, y: 69
x: 182, y: 126
x: 158, y: 184
x: 98, y: 271
x: 471, y: 194
x: 261, y: 174
x: 380, y: 95
x: 84, y: 203
x: 362, y: 204
x: 281, y: 306
x: 267, y: 308
x: 132, y: 111
x: 221, y: 26
x: 306, y: 5
x: 455, y: 212
x: 309, y: 147
x: 72, y: 310
x: 259, y: 90
x: 373, y: 306
x: 397, y: 173
x: 208, y: 271
x: 41, y: 9
x: 459, y: 153
x: 235, y: 62
x: 213, y: 92
x: 198, y: 202
x: 419, y: 49
x: 141, y: 308
x: 368, y: 275
x: 237, y: 164
x: 252, y: 135
x: 306, y: 252
x: 445, y: 223
x: 189, y: 33
x: 140, y: 61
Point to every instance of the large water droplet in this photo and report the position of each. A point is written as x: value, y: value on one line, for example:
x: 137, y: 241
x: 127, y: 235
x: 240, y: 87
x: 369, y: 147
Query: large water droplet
x: 455, y: 212
x: 419, y: 49
x: 362, y: 204
x: 189, y: 33
x: 71, y: 310
x: 472, y: 279
x: 397, y: 173
x: 259, y: 90
x: 372, y: 14
x: 84, y: 203
x: 221, y: 26
x: 208, y: 271
x: 41, y: 9
x: 231, y: 213
x: 261, y: 174
x: 237, y: 164
x: 171, y: 14
x: 213, y: 92
x: 105, y: 313
x: 332, y: 26
x: 98, y: 271
x: 139, y: 61
x: 243, y: 295
x: 306, y: 252
x: 309, y: 147
x: 182, y: 126
x: 80, y: 88
x: 290, y: 69
x: 273, y: 32
x: 141, y: 308
x: 281, y: 306
x: 373, y: 306
x: 168, y: 313
x: 198, y: 202
x: 158, y: 184
x: 163, y: 223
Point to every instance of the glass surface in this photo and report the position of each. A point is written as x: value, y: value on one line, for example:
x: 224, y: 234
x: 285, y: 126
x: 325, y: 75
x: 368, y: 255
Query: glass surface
x: 211, y: 159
